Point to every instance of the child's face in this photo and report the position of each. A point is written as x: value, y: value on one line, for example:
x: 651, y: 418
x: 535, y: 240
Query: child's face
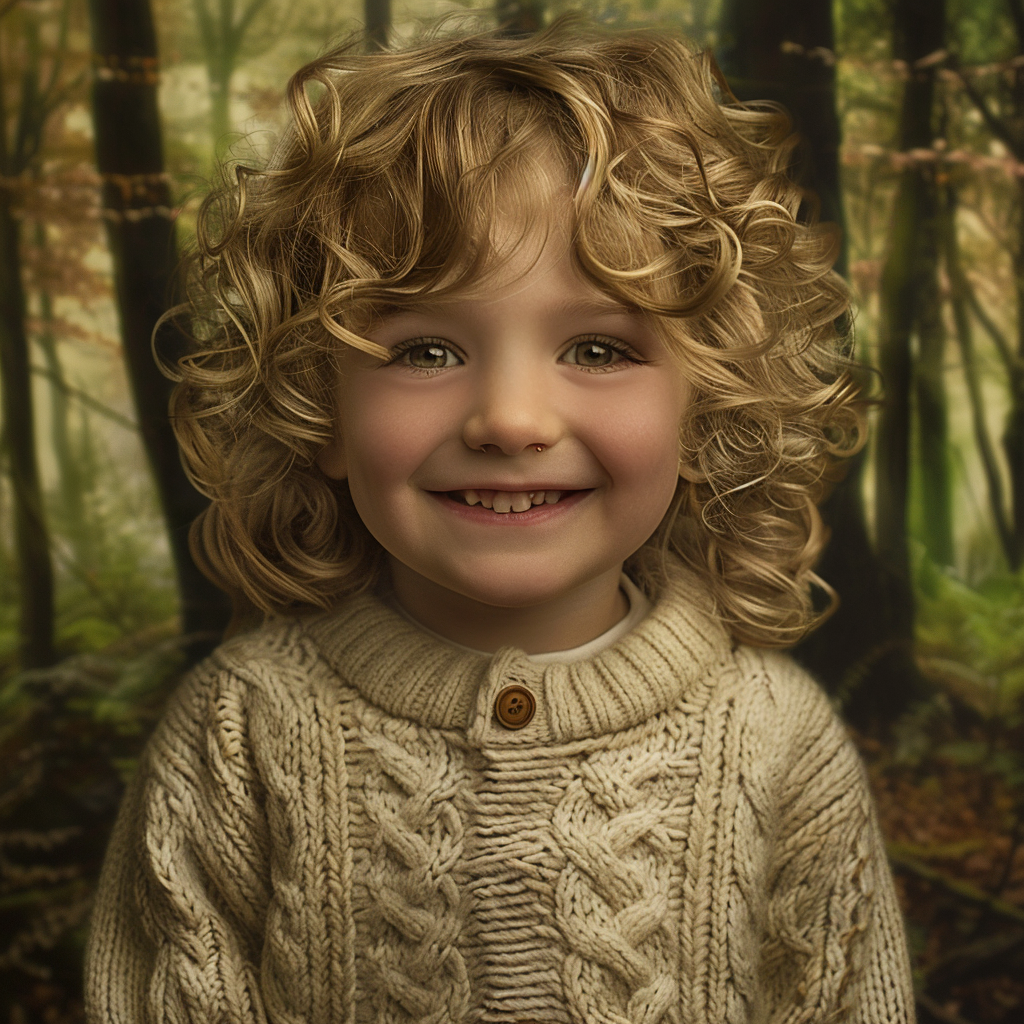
x: 537, y: 357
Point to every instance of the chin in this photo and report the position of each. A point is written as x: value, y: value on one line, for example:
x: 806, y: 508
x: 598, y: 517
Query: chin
x: 523, y: 586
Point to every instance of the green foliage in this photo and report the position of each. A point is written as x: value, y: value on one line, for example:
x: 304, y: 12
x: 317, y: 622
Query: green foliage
x: 949, y: 785
x: 117, y: 579
x: 981, y: 30
x: 971, y: 639
x: 863, y: 27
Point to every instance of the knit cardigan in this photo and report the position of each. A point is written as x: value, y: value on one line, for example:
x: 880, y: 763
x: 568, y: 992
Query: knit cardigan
x: 331, y: 825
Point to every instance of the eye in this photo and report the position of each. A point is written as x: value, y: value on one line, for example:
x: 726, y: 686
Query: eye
x: 599, y: 353
x: 425, y: 355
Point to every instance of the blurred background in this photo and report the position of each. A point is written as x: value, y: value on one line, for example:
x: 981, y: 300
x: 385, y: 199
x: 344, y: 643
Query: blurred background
x: 114, y: 115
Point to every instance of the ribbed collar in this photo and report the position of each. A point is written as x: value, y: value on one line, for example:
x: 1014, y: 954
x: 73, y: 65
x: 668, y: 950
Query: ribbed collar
x: 411, y: 674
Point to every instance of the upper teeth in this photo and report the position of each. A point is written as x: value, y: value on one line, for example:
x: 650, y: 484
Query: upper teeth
x: 509, y: 501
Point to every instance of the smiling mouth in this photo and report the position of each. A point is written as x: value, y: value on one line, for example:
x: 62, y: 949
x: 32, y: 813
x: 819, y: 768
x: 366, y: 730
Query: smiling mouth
x: 508, y: 501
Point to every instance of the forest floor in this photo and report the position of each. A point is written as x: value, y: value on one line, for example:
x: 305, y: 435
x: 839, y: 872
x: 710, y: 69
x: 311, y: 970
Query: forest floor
x: 952, y: 820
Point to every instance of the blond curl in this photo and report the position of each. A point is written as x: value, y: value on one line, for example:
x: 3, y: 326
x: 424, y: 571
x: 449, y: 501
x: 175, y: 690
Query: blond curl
x: 385, y: 188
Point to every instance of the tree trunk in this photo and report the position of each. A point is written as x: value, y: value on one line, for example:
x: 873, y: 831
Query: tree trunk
x: 220, y: 103
x: 1013, y: 436
x: 31, y: 537
x: 32, y: 542
x: 69, y: 469
x: 935, y: 512
x: 919, y: 30
x: 71, y: 484
x: 850, y: 651
x: 377, y: 16
x: 784, y: 51
x: 518, y: 18
x: 137, y: 207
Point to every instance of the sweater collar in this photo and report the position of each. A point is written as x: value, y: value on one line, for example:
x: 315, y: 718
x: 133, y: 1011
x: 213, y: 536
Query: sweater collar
x: 410, y: 674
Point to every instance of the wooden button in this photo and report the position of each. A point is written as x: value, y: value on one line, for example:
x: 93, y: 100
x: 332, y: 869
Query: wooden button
x: 515, y: 706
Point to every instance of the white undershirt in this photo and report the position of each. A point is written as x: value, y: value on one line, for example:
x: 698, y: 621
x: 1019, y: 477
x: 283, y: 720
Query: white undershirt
x: 639, y: 606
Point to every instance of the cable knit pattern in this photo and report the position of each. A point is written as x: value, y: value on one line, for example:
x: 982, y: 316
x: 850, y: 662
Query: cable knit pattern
x: 416, y: 837
x: 331, y: 826
x: 619, y: 830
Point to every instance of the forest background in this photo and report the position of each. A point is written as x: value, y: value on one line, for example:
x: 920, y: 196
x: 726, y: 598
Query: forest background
x: 113, y: 115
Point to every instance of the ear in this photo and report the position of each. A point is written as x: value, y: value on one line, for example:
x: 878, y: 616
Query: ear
x: 332, y: 459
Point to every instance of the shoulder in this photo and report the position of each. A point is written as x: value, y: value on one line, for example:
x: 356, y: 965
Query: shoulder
x: 780, y: 690
x: 278, y: 657
x: 274, y: 671
x: 277, y: 653
x: 791, y: 731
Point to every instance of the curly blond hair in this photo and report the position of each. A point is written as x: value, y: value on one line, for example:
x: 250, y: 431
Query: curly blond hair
x: 386, y: 187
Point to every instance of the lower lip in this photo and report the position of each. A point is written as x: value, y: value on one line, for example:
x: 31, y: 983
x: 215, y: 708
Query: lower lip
x: 534, y: 514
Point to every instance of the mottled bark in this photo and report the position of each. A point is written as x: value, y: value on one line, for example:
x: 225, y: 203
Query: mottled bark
x: 137, y: 208
x: 1008, y: 127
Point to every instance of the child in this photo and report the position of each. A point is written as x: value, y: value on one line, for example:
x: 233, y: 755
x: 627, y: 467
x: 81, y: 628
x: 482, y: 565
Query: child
x: 517, y: 363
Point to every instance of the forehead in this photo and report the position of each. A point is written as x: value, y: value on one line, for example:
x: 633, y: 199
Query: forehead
x: 538, y: 278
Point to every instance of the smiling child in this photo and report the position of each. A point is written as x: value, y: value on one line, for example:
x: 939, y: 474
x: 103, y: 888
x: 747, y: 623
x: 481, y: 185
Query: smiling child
x: 515, y: 380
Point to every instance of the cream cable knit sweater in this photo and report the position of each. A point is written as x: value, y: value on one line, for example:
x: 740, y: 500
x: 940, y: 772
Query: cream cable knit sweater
x: 331, y: 825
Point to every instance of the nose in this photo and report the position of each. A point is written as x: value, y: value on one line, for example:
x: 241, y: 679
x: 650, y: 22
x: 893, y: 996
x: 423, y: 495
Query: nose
x: 513, y: 409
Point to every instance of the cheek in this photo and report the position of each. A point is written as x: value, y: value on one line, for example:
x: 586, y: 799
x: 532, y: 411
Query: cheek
x: 640, y: 444
x: 385, y: 437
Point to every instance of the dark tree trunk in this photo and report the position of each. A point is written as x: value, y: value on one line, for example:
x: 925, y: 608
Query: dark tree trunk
x: 783, y: 51
x: 137, y: 206
x: 377, y: 16
x: 919, y: 30
x: 519, y: 17
x: 32, y: 542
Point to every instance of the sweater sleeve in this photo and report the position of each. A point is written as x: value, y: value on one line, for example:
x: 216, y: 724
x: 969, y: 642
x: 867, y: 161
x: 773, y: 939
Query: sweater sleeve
x: 179, y: 912
x: 835, y: 949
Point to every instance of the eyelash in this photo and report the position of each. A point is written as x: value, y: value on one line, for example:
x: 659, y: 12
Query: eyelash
x: 613, y: 344
x: 405, y: 347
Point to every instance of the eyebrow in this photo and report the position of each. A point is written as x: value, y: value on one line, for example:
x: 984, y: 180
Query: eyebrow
x: 574, y: 307
x: 585, y: 307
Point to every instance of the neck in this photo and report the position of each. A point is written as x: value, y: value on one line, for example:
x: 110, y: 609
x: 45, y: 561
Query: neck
x: 566, y: 621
